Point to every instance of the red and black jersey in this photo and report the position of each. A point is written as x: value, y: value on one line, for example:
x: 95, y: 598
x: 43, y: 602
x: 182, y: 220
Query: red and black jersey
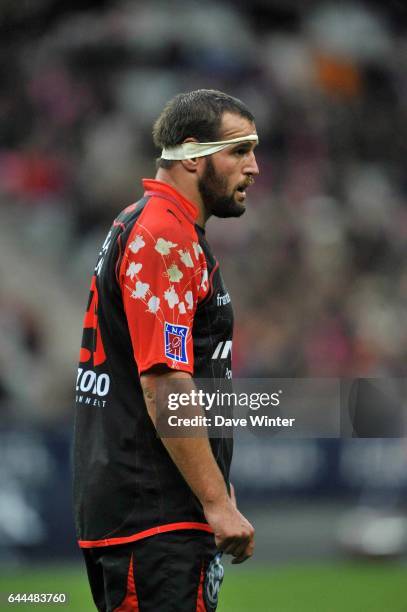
x: 156, y: 297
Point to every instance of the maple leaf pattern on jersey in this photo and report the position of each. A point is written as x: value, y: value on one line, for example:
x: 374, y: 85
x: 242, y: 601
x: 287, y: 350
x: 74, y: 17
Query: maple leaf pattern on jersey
x: 140, y: 291
x: 174, y: 273
x: 163, y: 246
x: 165, y: 280
x: 137, y: 244
x: 153, y: 304
x: 204, y: 282
x: 197, y: 250
x: 186, y: 258
x: 171, y: 296
x: 189, y: 300
x: 133, y: 269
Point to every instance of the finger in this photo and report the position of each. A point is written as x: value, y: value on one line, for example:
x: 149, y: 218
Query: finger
x: 241, y: 559
x: 234, y: 545
x: 245, y: 554
x: 240, y: 549
x: 234, y: 549
x: 250, y: 548
x: 224, y: 544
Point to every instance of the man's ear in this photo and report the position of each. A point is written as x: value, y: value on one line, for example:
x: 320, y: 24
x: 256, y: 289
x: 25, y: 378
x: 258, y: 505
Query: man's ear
x: 191, y: 165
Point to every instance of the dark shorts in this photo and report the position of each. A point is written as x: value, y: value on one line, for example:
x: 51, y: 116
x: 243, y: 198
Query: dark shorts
x: 163, y: 573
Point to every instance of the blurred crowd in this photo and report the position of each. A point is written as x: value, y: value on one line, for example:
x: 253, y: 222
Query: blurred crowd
x: 316, y: 266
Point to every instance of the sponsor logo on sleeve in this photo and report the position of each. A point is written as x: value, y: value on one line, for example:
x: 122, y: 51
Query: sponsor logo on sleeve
x: 222, y: 300
x: 175, y: 337
x: 223, y: 350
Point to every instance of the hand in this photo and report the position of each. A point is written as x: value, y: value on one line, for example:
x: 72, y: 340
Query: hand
x: 234, y: 535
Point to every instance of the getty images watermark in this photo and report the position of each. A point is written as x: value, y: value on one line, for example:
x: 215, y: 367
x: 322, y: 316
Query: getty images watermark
x: 263, y: 407
x: 284, y: 407
x: 223, y: 402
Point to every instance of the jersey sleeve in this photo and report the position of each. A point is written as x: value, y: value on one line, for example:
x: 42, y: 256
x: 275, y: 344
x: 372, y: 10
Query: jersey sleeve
x: 163, y: 276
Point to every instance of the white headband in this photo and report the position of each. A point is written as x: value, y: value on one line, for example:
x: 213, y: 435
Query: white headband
x: 189, y: 150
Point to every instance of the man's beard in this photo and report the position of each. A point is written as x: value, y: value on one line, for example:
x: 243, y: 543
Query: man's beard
x: 212, y: 188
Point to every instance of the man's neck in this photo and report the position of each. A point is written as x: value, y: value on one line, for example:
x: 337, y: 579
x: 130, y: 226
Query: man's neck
x: 186, y: 188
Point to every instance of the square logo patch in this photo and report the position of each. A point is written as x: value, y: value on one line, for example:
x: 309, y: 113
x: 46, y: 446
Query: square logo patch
x: 176, y: 342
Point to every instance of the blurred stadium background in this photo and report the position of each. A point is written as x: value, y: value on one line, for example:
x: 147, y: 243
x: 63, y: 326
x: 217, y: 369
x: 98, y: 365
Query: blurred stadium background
x: 316, y: 267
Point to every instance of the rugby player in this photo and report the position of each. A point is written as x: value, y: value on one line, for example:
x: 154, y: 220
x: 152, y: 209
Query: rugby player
x: 153, y: 515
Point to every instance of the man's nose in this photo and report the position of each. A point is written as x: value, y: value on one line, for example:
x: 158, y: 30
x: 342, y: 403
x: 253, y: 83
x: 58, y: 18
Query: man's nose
x: 252, y: 167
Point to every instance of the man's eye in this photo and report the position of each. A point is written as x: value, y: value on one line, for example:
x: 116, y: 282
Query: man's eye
x: 241, y: 151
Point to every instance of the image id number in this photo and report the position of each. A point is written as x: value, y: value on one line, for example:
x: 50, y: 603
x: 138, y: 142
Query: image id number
x: 33, y: 598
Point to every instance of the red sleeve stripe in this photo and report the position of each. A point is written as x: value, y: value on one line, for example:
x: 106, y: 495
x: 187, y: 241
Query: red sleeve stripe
x: 144, y: 534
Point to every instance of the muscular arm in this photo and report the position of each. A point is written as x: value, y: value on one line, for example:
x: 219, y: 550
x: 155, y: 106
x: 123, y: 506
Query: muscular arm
x: 194, y: 459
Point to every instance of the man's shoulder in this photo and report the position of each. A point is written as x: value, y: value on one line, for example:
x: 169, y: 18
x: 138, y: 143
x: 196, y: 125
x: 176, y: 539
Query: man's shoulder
x: 163, y: 218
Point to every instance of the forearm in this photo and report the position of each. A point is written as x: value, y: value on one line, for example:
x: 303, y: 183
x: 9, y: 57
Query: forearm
x: 194, y: 459
x: 192, y: 455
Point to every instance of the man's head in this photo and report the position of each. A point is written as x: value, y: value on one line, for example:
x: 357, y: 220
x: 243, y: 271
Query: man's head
x: 210, y: 116
x: 196, y: 114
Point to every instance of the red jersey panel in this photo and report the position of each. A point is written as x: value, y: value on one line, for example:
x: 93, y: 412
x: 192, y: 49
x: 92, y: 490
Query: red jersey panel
x: 163, y: 276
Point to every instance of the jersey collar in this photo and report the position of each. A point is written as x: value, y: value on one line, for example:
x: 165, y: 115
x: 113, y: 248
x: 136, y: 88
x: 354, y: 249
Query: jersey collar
x: 189, y: 208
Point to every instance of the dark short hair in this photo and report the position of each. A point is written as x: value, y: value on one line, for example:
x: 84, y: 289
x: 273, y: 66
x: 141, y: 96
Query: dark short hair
x: 196, y: 114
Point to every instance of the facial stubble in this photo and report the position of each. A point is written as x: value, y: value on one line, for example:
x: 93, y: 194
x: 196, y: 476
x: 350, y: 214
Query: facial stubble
x: 213, y: 190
